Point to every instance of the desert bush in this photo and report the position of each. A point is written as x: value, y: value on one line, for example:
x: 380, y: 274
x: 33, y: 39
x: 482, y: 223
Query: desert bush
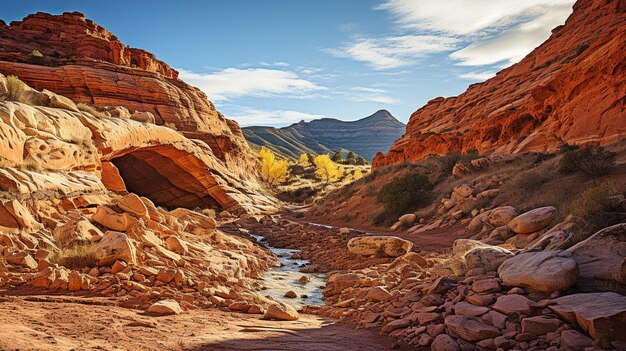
x: 595, y: 208
x: 15, y: 89
x: 91, y: 109
x: 405, y: 194
x: 327, y: 170
x: 337, y: 156
x: 79, y: 256
x: 170, y: 125
x: 351, y: 158
x: 360, y: 161
x: 273, y: 171
x: 593, y: 161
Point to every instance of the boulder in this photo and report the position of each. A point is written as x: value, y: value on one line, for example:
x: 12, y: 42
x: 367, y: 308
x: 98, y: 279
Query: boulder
x: 540, y: 325
x: 489, y: 258
x: 575, y: 341
x: 601, y: 315
x: 133, y: 204
x: 379, y: 246
x: 543, y: 271
x: 500, y: 216
x: 533, y: 221
x: 177, y: 245
x: 556, y: 240
x: 378, y: 294
x: 141, y: 116
x: 443, y: 342
x: 344, y: 230
x: 107, y: 217
x: 463, y: 190
x: 513, y: 303
x: 165, y: 307
x: 115, y: 246
x: 408, y: 219
x: 79, y: 232
x: 602, y: 258
x: 281, y: 311
x: 470, y: 329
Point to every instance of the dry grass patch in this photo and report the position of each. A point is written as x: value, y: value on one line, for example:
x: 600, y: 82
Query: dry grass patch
x: 79, y: 256
x: 15, y: 89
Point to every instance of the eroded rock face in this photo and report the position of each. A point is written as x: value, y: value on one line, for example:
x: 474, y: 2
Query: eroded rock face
x: 87, y: 63
x: 569, y: 89
x: 602, y: 258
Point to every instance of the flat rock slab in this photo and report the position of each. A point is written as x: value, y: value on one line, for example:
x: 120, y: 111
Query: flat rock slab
x: 544, y: 271
x: 471, y: 329
x: 601, y: 315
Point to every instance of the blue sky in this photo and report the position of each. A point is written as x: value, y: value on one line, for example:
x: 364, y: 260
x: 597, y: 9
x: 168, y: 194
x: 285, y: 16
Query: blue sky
x: 277, y: 62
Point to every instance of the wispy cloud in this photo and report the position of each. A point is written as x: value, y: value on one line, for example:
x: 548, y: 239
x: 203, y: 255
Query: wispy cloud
x: 475, y: 33
x: 478, y: 76
x: 275, y: 64
x: 394, y: 51
x: 366, y: 94
x: 254, y: 117
x: 369, y: 90
x: 232, y: 83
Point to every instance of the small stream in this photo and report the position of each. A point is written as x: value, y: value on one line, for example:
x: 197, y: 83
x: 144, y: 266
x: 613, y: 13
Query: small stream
x: 285, y: 277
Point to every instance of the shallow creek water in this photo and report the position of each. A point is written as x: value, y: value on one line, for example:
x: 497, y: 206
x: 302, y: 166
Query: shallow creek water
x: 283, y: 278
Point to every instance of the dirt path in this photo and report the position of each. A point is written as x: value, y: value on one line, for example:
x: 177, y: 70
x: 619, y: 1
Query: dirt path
x: 70, y: 323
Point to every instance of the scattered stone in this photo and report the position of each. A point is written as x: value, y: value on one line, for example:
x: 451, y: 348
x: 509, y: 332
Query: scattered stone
x: 379, y: 246
x: 115, y: 246
x: 290, y: 295
x: 470, y: 329
x: 281, y: 311
x: 509, y: 304
x: 443, y: 342
x: 165, y: 307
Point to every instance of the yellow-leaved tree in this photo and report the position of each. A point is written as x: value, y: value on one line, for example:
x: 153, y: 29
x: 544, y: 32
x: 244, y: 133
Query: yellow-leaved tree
x: 304, y: 160
x: 357, y: 174
x: 327, y: 170
x: 273, y: 171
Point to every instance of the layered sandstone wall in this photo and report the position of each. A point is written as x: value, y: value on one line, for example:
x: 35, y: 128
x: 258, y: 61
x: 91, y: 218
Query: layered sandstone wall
x: 85, y: 62
x: 569, y: 89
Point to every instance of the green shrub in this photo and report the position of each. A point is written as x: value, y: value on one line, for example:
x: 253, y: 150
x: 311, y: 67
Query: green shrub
x: 405, y: 194
x: 360, y: 161
x: 593, y: 161
x: 15, y: 89
x: 170, y: 125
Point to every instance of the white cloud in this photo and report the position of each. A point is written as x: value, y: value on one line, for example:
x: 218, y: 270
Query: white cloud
x: 510, y: 46
x: 275, y: 63
x: 463, y: 17
x: 394, y: 51
x: 486, y: 31
x: 369, y: 90
x: 478, y: 76
x: 259, y: 82
x: 254, y: 117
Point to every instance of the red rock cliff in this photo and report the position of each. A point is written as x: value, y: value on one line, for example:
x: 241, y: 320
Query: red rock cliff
x: 86, y: 63
x: 570, y: 89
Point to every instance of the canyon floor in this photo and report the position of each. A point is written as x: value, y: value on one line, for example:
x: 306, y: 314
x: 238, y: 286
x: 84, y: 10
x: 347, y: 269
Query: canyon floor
x: 73, y: 323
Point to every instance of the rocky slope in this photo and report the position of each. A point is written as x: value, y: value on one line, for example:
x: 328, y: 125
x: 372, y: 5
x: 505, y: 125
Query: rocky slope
x: 569, y: 89
x: 365, y: 136
x: 85, y: 62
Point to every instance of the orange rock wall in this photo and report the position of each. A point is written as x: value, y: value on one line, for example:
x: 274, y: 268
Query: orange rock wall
x: 569, y: 89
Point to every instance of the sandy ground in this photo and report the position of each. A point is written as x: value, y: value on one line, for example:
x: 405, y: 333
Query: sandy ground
x: 74, y: 323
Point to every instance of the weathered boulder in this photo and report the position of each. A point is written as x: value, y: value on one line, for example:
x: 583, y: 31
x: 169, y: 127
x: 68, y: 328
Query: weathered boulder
x: 533, y: 220
x: 379, y: 246
x: 540, y: 325
x: 107, y: 217
x: 281, y: 311
x: 544, y: 271
x: 115, y: 246
x: 602, y: 258
x: 444, y: 342
x: 378, y: 294
x: 470, y: 329
x: 500, y: 216
x: 407, y: 219
x: 601, y: 315
x: 489, y: 258
x: 513, y: 303
x: 79, y: 232
x: 133, y: 204
x: 165, y: 307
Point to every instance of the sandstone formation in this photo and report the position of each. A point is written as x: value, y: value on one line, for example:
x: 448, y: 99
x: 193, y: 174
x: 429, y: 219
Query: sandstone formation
x: 88, y: 64
x: 569, y: 89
